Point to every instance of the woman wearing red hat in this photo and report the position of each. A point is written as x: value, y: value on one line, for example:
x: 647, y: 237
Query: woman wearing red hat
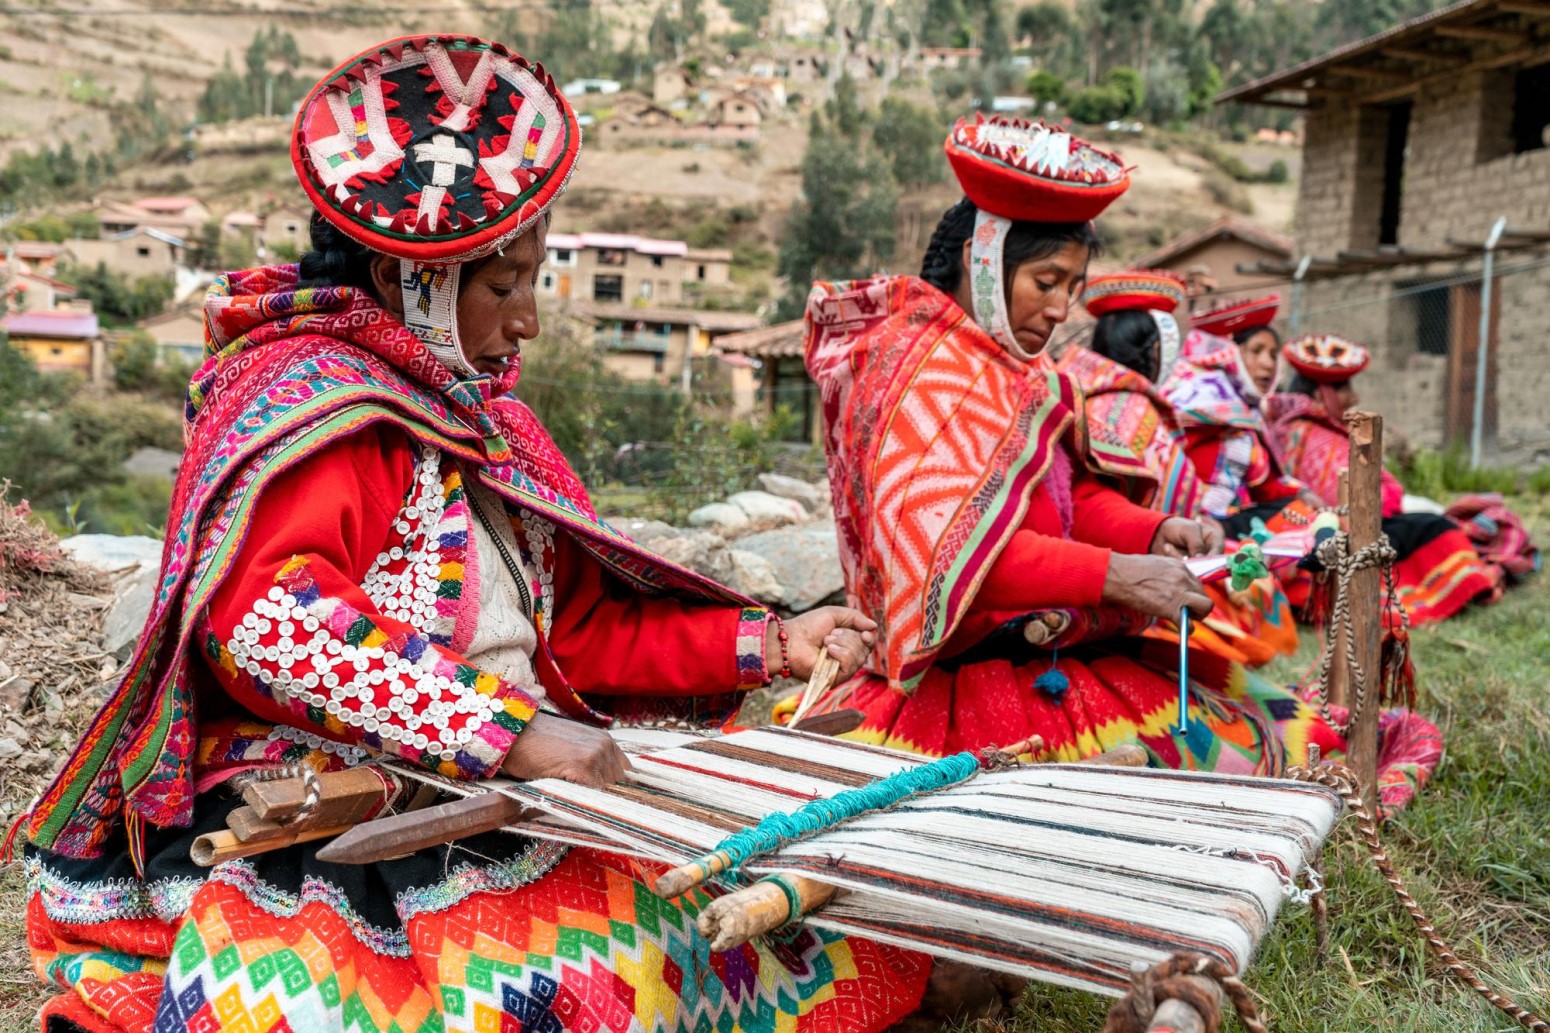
x: 1135, y: 437
x: 371, y: 551
x: 1439, y: 572
x: 1008, y: 581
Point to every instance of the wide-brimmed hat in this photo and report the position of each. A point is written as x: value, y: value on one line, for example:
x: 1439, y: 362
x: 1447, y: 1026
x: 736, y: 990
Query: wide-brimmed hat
x: 1326, y: 358
x: 1140, y: 290
x: 435, y: 148
x: 1032, y: 172
x: 1237, y: 316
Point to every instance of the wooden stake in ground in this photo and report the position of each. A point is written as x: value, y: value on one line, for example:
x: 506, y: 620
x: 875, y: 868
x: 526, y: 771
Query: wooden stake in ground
x: 1365, y: 650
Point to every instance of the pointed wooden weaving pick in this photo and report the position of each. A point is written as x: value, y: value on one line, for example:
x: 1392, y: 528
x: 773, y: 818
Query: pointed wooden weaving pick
x: 405, y: 833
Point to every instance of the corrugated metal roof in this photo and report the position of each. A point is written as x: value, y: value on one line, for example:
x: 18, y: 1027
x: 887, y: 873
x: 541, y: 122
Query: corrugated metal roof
x: 73, y: 325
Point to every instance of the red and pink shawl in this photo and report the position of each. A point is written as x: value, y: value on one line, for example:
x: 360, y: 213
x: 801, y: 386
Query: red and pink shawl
x: 1317, y: 447
x: 936, y: 438
x: 1132, y: 433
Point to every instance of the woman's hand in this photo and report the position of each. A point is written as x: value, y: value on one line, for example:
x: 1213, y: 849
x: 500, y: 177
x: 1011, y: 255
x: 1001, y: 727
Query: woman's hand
x: 1311, y: 500
x: 1156, y: 585
x: 847, y: 634
x: 555, y: 747
x: 1180, y: 537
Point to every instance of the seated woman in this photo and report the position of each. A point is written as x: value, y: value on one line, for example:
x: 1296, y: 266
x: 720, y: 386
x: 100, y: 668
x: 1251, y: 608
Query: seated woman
x: 1438, y: 572
x: 969, y: 524
x: 373, y: 551
x: 1134, y: 436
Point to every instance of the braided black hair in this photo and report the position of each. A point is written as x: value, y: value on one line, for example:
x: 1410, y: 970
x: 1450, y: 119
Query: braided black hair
x: 1130, y: 338
x: 942, y: 266
x: 336, y: 259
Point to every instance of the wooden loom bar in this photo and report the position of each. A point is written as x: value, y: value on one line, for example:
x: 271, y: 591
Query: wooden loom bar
x: 223, y: 845
x: 1366, y: 527
x: 405, y: 833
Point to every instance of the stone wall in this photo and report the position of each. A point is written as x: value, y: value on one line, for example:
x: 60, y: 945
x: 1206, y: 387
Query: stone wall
x: 1460, y: 175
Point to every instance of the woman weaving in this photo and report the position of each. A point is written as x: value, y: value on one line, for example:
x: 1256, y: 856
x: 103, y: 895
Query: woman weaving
x: 969, y: 523
x: 1135, y: 437
x: 371, y: 550
x: 1438, y: 572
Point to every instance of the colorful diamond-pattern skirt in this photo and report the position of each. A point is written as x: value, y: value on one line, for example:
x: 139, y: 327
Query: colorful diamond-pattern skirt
x: 496, y: 934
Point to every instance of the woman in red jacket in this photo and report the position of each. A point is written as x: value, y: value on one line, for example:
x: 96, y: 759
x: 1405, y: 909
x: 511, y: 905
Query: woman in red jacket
x: 1438, y: 572
x: 1135, y: 437
x: 1006, y: 579
x: 372, y: 550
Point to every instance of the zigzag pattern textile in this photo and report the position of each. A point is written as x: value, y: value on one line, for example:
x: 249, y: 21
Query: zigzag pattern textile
x: 502, y: 934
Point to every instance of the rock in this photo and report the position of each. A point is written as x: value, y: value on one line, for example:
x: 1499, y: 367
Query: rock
x: 15, y: 694
x: 644, y: 531
x: 137, y: 559
x: 768, y: 510
x: 113, y: 552
x: 755, y: 577
x: 725, y: 517
x: 10, y: 749
x: 805, y: 559
x: 703, y: 552
x: 38, y: 763
x: 810, y: 495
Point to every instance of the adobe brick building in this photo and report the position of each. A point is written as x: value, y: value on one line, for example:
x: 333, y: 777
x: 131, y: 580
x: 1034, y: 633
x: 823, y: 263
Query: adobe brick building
x: 1417, y: 140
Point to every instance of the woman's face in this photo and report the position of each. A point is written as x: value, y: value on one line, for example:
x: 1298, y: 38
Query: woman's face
x: 1345, y: 397
x: 1259, y: 359
x: 1040, y: 295
x: 497, y: 301
x: 497, y: 306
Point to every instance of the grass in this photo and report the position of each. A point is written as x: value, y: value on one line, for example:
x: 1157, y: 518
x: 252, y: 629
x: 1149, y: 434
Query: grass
x: 1474, y: 849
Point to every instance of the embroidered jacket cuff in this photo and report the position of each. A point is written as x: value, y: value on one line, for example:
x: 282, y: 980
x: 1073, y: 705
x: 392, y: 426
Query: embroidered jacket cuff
x: 752, y: 633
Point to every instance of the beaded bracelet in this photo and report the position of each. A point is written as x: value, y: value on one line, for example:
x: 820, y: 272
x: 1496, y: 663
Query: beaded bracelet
x: 785, y: 648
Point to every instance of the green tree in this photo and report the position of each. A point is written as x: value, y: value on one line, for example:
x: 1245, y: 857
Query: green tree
x: 134, y: 362
x: 1129, y: 86
x: 1046, y: 87
x: 843, y: 226
x: 115, y: 298
x: 844, y: 108
x: 911, y: 138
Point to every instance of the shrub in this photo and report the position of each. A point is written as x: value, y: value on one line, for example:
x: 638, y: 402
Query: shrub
x: 1278, y: 172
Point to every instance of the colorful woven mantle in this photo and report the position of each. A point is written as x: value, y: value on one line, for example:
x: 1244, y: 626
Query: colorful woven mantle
x: 289, y: 372
x: 936, y: 438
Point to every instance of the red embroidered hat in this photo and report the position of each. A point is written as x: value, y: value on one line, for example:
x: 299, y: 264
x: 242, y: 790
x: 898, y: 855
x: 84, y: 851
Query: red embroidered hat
x: 1325, y: 358
x: 1143, y: 290
x: 435, y: 148
x: 1032, y: 172
x: 1237, y: 316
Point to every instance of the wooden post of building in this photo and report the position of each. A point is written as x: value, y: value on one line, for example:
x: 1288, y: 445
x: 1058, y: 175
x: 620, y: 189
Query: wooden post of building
x: 1339, y: 688
x: 1366, y: 524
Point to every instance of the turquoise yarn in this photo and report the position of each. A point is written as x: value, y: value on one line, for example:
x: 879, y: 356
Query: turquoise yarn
x: 1054, y: 683
x: 776, y: 830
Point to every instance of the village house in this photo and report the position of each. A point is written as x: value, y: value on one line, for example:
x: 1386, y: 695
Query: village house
x: 33, y: 292
x: 181, y: 217
x: 37, y: 256
x: 1416, y: 142
x: 66, y: 341
x: 625, y: 268
x: 1209, y: 258
x: 738, y: 110
x: 179, y: 333
x: 656, y: 344
x: 287, y: 225
x: 783, y: 379
x: 136, y: 253
x: 671, y: 84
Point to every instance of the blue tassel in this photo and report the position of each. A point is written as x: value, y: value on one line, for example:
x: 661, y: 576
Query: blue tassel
x: 1054, y: 684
